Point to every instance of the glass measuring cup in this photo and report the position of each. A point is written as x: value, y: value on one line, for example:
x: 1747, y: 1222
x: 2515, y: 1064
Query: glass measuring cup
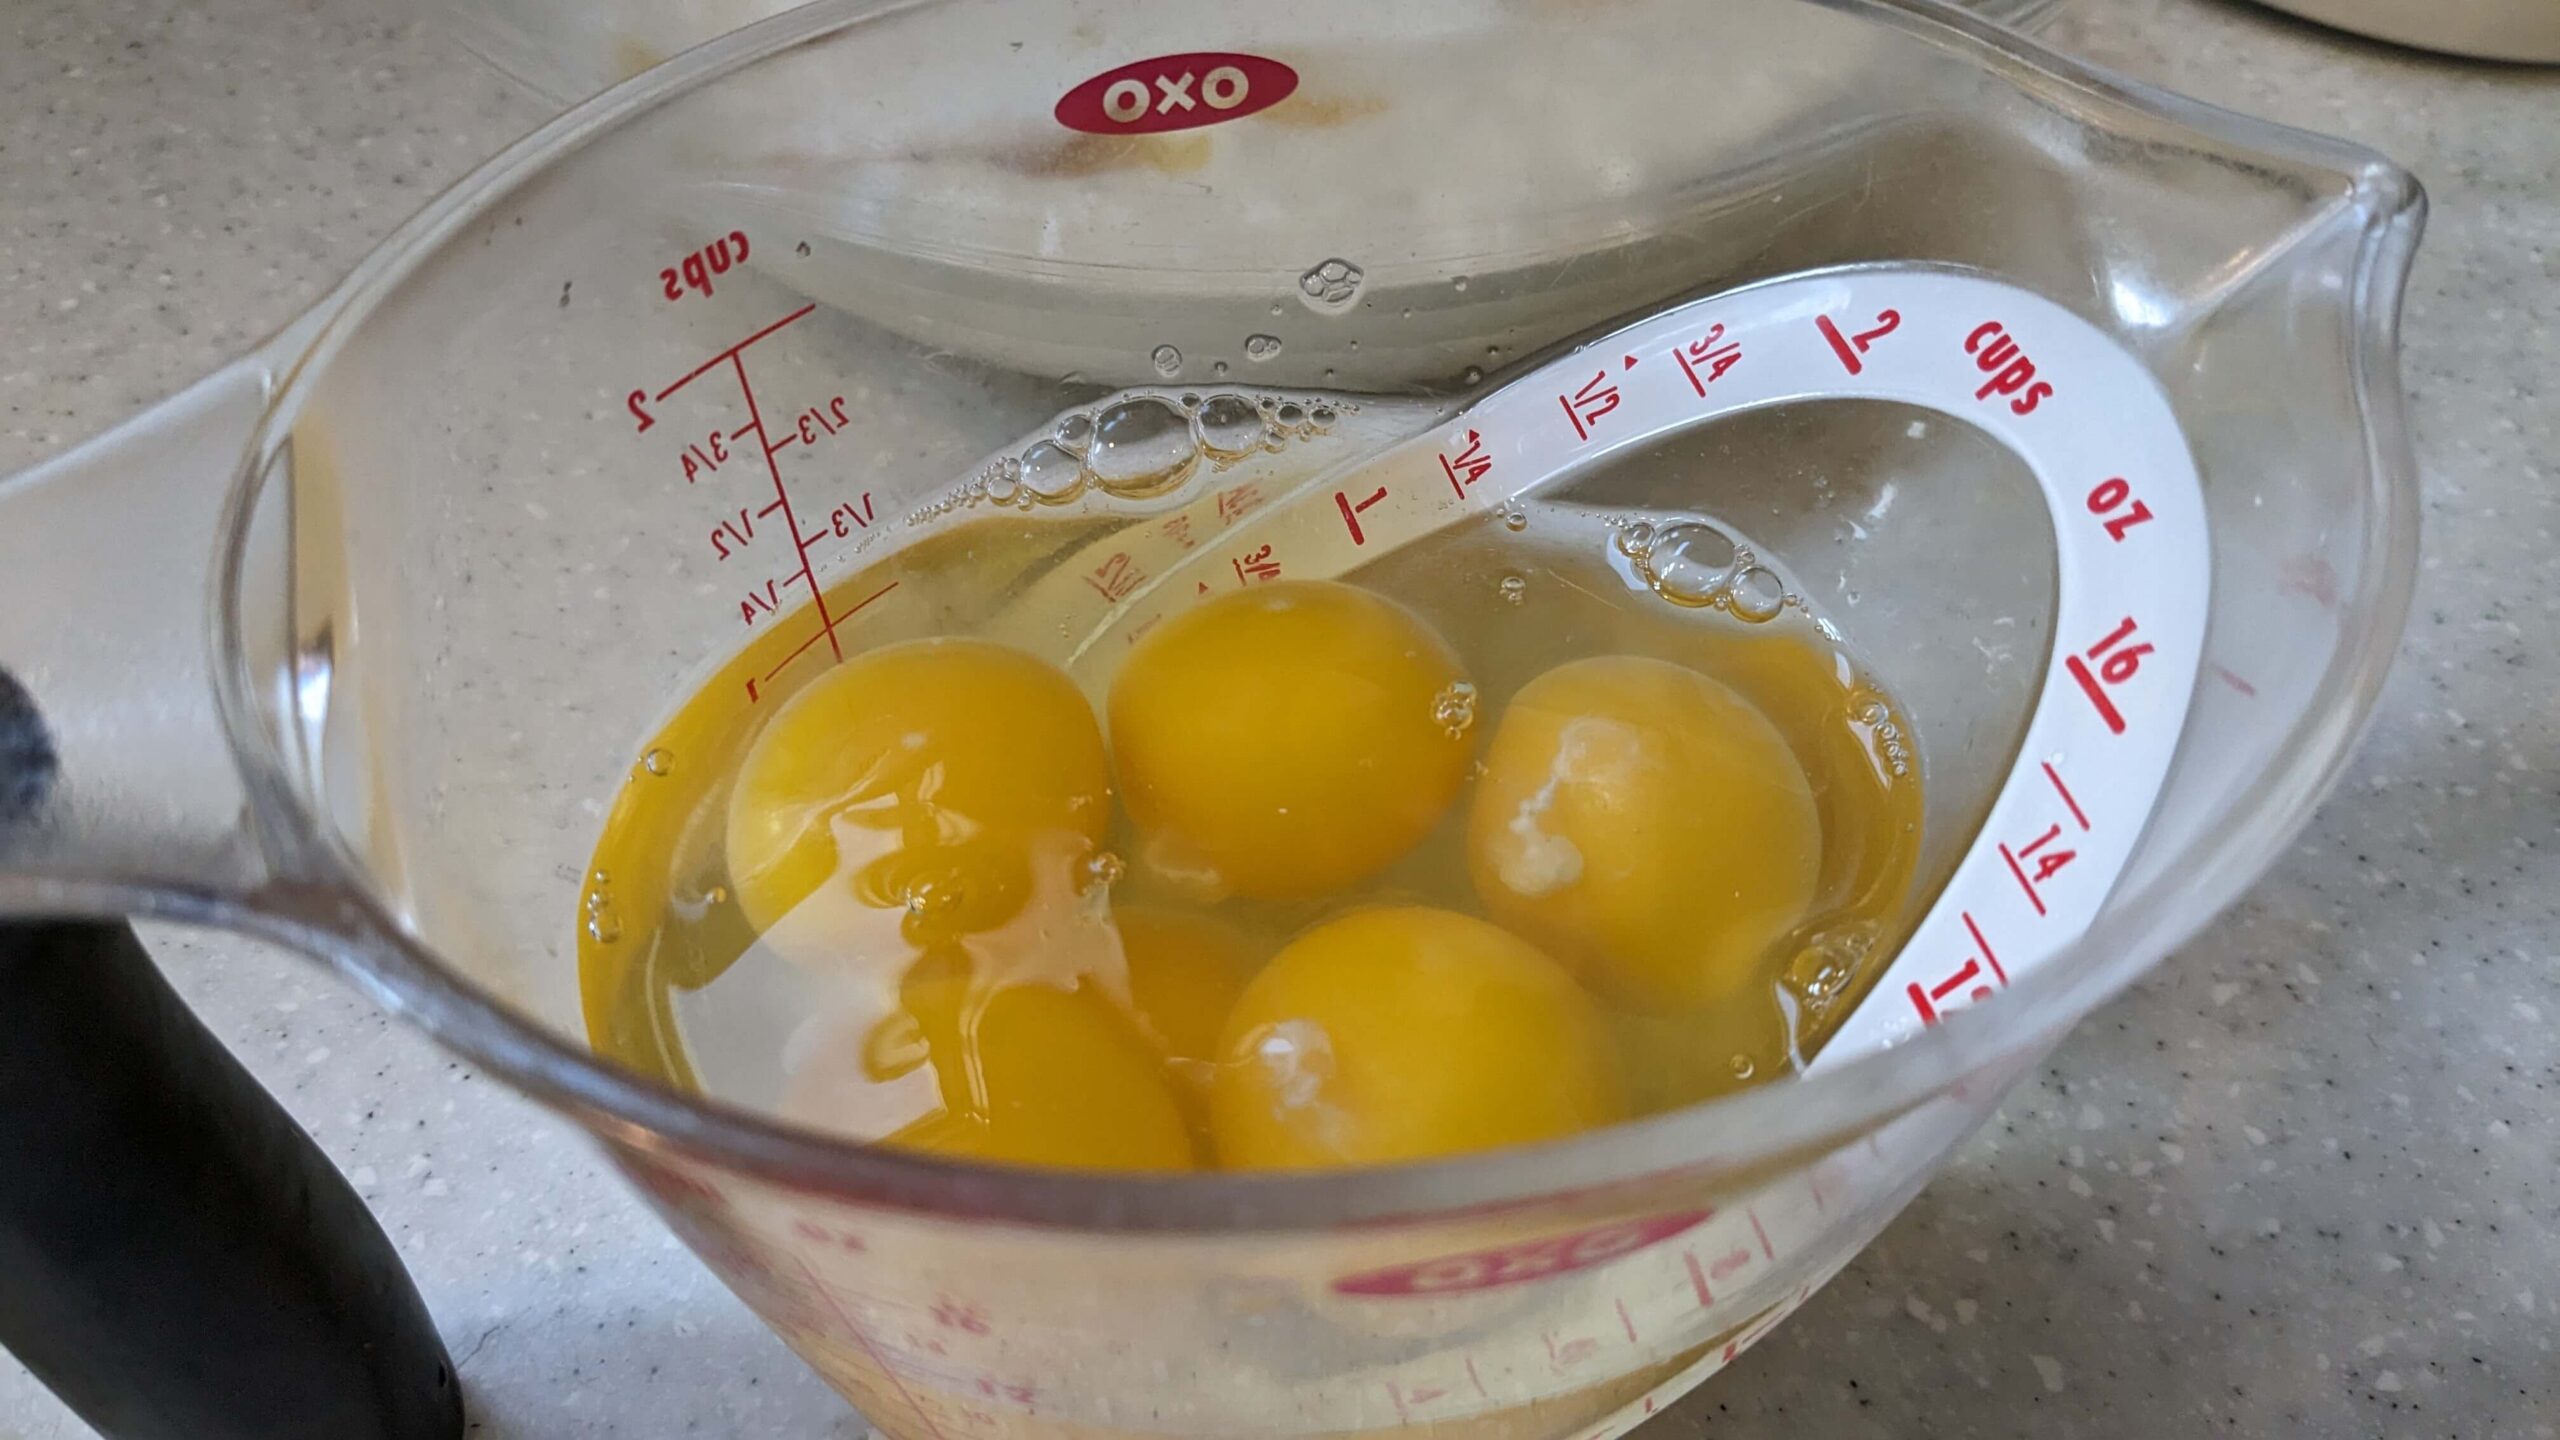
x: 441, y: 451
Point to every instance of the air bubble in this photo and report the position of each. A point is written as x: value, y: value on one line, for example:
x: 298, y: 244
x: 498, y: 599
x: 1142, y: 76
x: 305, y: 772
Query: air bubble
x: 1690, y: 563
x: 1190, y: 400
x: 1758, y: 594
x: 1744, y: 1067
x: 1471, y: 376
x: 604, y: 922
x: 1515, y: 520
x: 1101, y: 872
x: 1290, y: 415
x: 658, y: 760
x: 1168, y: 361
x: 1276, y: 308
x: 1141, y: 447
x: 1329, y: 288
x: 1321, y: 416
x: 1217, y: 369
x: 1454, y: 708
x: 1513, y: 590
x: 1052, y: 473
x: 927, y: 896
x: 1823, y: 971
x: 1635, y: 540
x: 1227, y: 426
x: 1074, y: 433
x: 1261, y: 347
x: 1459, y: 284
x: 1004, y: 481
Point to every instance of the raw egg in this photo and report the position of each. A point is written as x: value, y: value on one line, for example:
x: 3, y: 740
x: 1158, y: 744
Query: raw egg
x: 1647, y: 826
x: 923, y: 790
x: 1403, y: 1034
x: 1288, y: 740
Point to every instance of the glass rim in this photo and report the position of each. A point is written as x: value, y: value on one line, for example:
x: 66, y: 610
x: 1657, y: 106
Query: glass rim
x: 332, y: 915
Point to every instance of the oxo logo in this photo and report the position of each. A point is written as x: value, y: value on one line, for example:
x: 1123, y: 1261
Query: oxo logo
x: 1175, y: 92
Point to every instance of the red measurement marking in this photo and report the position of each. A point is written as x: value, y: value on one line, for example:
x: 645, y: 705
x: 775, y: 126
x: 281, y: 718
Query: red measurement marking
x: 2116, y: 667
x: 1585, y: 406
x: 1177, y: 528
x: 858, y: 514
x: 1983, y: 944
x: 782, y: 493
x: 1627, y: 1320
x: 862, y: 1336
x: 1933, y: 1002
x: 2047, y: 865
x: 1573, y: 1352
x: 1232, y: 503
x: 1116, y: 577
x: 1351, y: 513
x: 1765, y: 1248
x: 959, y: 1315
x: 1476, y: 1380
x: 2235, y: 682
x: 2055, y: 776
x: 1850, y: 347
x: 738, y: 531
x: 725, y: 356
x: 1255, y: 568
x: 1467, y: 466
x: 1698, y: 1279
x: 1715, y: 353
x: 817, y: 1234
x: 827, y: 633
x: 1996, y: 353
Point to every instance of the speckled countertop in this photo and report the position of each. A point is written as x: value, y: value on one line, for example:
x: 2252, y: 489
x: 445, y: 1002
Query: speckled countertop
x: 2304, y: 1182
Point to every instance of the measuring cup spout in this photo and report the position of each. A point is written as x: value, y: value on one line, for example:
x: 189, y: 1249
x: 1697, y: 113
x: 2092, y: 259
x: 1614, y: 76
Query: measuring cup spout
x: 118, y: 790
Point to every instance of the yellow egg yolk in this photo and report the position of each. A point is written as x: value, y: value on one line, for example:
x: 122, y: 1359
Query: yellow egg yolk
x: 1185, y: 973
x: 1645, y: 825
x: 1403, y: 1034
x: 920, y: 792
x: 1026, y: 1073
x: 1288, y: 740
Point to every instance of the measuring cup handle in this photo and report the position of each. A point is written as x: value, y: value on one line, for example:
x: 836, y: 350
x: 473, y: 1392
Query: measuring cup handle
x: 178, y: 1261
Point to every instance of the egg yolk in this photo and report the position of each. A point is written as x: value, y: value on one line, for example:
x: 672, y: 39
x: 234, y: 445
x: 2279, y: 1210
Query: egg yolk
x: 1185, y: 973
x: 1026, y: 1073
x: 1288, y: 740
x: 922, y: 790
x: 1402, y: 1034
x: 1647, y: 826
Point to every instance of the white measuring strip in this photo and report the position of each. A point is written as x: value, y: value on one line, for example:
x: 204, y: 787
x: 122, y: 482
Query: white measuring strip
x: 2082, y: 413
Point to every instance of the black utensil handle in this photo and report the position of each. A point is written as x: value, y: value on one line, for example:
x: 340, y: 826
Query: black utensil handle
x: 178, y: 1261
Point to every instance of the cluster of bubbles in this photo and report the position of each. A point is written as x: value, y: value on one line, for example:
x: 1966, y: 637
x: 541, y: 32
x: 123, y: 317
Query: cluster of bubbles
x: 604, y: 921
x: 1454, y: 708
x: 1139, y: 446
x: 1695, y: 565
x: 1878, y: 718
x: 1330, y: 287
